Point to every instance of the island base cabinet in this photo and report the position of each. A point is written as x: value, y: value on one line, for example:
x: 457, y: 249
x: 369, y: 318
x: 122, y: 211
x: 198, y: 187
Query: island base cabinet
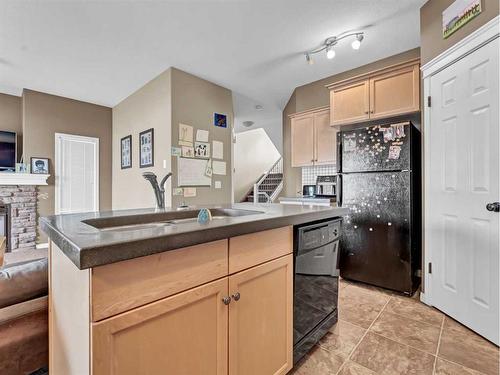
x: 183, y: 334
x: 260, y: 319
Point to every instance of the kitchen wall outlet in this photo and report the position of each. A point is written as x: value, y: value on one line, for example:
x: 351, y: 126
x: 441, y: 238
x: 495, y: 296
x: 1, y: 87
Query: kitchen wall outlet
x: 218, y: 184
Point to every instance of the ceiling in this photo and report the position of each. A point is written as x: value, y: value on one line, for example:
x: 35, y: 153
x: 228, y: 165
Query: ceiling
x: 102, y: 51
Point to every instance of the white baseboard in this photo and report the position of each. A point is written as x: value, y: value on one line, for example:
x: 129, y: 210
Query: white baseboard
x: 42, y: 245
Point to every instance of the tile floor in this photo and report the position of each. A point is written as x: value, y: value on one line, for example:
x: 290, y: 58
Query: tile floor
x: 382, y: 333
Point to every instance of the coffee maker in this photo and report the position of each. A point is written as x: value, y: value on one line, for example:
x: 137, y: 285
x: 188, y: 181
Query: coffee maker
x: 326, y: 186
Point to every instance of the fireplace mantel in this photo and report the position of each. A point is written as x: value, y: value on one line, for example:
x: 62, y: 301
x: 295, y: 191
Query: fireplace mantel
x: 10, y: 178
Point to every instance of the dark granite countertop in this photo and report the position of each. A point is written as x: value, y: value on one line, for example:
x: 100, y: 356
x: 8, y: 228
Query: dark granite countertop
x: 98, y: 238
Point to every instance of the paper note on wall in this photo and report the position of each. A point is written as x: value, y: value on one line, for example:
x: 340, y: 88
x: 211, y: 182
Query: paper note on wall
x: 202, y: 135
x: 217, y: 150
x: 191, y: 172
x: 189, y: 192
x: 185, y: 135
x: 219, y: 167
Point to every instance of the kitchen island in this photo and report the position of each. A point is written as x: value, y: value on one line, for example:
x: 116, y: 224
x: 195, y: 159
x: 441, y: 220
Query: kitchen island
x: 155, y: 292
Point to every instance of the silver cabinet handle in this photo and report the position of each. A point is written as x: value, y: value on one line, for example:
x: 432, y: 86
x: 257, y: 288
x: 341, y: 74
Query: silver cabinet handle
x: 226, y: 300
x: 236, y: 296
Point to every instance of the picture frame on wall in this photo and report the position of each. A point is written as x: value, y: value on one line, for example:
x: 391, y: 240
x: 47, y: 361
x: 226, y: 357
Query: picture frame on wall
x: 146, y: 148
x: 40, y: 165
x: 126, y: 152
x: 220, y: 120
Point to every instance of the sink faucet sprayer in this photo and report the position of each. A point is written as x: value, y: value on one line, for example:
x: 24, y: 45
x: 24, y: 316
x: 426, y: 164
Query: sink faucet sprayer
x: 159, y: 190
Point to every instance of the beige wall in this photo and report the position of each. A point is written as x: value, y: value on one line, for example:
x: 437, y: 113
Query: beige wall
x: 11, y: 118
x: 148, y: 107
x: 10, y: 113
x: 43, y: 116
x: 431, y: 29
x: 194, y: 101
x: 314, y: 95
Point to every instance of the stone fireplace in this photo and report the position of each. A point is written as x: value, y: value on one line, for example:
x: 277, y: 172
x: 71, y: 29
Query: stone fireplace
x: 18, y: 209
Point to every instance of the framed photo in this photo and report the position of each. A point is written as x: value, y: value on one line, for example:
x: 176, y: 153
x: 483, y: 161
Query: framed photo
x: 202, y: 150
x: 22, y: 168
x: 146, y: 148
x: 126, y: 152
x: 40, y: 165
x: 220, y: 120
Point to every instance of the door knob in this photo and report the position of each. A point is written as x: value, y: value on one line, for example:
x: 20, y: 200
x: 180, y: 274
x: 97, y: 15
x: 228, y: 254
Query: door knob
x: 236, y: 296
x: 226, y: 300
x: 493, y: 207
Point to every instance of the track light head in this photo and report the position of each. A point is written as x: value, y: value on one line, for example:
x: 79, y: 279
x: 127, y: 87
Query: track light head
x: 357, y: 42
x: 330, y: 52
x: 309, y: 59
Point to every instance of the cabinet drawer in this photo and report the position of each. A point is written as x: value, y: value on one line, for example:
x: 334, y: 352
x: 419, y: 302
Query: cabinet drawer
x: 121, y: 286
x: 255, y: 248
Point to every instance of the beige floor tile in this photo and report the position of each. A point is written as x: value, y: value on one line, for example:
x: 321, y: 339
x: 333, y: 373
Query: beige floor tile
x: 444, y: 367
x: 407, y: 331
x: 319, y: 361
x: 415, y: 310
x: 352, y: 368
x: 450, y: 323
x: 386, y: 356
x: 360, y: 307
x: 342, y: 338
x: 468, y: 349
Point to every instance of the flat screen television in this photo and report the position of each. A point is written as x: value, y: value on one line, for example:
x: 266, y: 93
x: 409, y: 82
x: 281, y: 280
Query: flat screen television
x: 8, y: 153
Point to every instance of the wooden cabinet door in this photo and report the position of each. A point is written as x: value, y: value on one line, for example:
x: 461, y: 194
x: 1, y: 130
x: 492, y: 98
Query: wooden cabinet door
x: 325, y: 139
x: 396, y: 92
x: 349, y: 103
x: 302, y: 134
x: 260, y: 321
x: 183, y: 334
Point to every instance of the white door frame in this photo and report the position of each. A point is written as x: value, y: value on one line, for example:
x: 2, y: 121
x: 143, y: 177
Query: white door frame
x: 58, y: 138
x: 469, y: 44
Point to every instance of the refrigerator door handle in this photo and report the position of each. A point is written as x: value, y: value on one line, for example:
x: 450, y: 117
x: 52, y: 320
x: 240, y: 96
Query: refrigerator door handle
x: 339, y: 152
x: 339, y: 190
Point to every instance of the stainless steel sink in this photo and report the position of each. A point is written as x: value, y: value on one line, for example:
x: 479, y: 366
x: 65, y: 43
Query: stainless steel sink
x: 155, y: 220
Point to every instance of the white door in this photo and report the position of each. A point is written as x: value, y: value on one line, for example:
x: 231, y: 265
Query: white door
x: 462, y: 177
x: 77, y: 174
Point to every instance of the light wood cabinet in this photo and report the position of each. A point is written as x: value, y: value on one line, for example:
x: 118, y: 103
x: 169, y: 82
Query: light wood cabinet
x: 314, y: 141
x: 183, y: 315
x: 182, y: 334
x: 384, y: 93
x: 395, y: 92
x: 260, y: 320
x: 350, y: 103
x: 302, y: 141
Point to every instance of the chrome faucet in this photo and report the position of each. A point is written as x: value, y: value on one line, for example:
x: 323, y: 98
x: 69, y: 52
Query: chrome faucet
x: 159, y: 189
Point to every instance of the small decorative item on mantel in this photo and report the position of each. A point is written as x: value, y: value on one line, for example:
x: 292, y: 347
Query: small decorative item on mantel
x: 39, y: 165
x: 22, y: 168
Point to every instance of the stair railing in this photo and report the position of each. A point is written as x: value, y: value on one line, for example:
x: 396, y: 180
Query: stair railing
x: 277, y: 168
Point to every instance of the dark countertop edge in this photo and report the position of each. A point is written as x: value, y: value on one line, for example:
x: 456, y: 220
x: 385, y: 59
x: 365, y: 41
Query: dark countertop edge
x: 101, y: 255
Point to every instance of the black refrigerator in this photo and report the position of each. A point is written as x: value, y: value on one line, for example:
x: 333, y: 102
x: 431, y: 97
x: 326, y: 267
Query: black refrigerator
x: 379, y: 179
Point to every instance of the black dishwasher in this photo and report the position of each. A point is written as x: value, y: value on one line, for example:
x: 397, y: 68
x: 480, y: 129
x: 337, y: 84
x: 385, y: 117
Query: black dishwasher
x: 316, y: 248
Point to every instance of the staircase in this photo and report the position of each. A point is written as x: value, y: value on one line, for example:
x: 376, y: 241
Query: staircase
x: 268, y: 187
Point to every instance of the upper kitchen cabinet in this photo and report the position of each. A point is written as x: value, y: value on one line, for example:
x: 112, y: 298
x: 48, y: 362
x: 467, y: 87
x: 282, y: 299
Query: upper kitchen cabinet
x: 383, y: 93
x: 313, y: 139
x: 350, y: 103
x: 395, y: 92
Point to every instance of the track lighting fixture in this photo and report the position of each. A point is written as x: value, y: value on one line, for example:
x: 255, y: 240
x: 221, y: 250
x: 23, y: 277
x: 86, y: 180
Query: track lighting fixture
x: 330, y: 42
x: 357, y: 42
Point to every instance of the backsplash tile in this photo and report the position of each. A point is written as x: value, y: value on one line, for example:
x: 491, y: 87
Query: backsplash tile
x: 309, y: 174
